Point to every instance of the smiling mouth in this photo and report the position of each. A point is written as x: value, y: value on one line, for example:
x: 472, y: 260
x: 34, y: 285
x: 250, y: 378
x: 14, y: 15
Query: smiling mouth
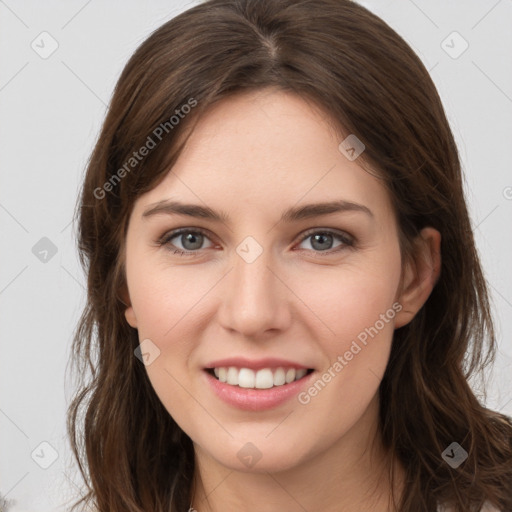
x: 265, y: 378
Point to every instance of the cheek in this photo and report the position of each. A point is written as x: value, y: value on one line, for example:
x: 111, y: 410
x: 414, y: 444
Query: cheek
x: 166, y: 304
x: 165, y: 299
x: 361, y: 312
x: 349, y: 299
x: 356, y: 306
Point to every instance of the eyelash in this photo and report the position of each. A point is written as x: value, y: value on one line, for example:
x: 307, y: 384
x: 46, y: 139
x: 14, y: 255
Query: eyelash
x: 347, y: 241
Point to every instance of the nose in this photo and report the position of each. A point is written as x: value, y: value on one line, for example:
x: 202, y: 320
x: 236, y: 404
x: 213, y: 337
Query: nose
x: 255, y: 299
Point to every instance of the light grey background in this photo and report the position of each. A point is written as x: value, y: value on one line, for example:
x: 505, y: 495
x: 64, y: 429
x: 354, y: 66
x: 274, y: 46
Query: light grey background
x: 51, y: 111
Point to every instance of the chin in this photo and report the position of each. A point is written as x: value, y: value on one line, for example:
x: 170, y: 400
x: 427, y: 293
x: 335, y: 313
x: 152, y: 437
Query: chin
x: 257, y: 458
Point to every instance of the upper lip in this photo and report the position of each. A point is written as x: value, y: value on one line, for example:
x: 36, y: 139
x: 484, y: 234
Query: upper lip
x: 255, y: 364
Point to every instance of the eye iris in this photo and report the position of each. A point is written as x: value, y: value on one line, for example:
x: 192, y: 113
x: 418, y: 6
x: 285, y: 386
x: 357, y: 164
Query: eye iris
x: 318, y: 242
x: 191, y: 237
x: 321, y: 236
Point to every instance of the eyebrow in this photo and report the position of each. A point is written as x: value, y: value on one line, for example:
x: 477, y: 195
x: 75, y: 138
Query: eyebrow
x: 292, y: 214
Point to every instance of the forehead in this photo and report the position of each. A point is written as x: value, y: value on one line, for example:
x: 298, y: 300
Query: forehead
x: 264, y: 150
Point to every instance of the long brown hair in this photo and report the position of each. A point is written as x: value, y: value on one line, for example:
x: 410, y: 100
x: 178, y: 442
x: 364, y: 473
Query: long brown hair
x: 131, y: 453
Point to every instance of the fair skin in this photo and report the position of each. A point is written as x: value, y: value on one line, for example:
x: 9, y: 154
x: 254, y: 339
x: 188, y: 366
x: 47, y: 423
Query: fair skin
x: 253, y: 156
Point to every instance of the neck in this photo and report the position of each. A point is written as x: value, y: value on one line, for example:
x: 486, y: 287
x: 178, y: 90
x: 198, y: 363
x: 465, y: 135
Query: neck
x: 351, y: 475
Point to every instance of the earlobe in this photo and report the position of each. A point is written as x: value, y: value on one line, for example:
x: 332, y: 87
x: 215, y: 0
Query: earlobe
x: 129, y: 313
x: 420, y: 275
x: 130, y: 316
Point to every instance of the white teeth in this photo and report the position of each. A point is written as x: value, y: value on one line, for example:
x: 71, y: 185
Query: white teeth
x: 246, y: 378
x: 260, y: 379
x: 232, y: 376
x: 264, y: 379
x: 300, y: 373
x: 279, y: 377
x: 290, y: 375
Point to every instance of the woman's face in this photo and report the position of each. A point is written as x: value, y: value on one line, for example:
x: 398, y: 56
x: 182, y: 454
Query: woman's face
x: 271, y: 285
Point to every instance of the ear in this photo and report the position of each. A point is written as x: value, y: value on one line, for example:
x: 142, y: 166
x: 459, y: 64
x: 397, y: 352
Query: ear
x: 420, y: 275
x: 129, y: 313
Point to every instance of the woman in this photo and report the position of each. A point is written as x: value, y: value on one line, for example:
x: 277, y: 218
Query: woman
x: 285, y: 301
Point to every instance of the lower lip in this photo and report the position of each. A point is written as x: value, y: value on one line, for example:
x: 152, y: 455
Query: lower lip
x: 250, y: 399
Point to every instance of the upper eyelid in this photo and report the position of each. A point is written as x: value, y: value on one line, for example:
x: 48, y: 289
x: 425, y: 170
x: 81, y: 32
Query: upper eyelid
x: 179, y: 231
x: 167, y: 236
